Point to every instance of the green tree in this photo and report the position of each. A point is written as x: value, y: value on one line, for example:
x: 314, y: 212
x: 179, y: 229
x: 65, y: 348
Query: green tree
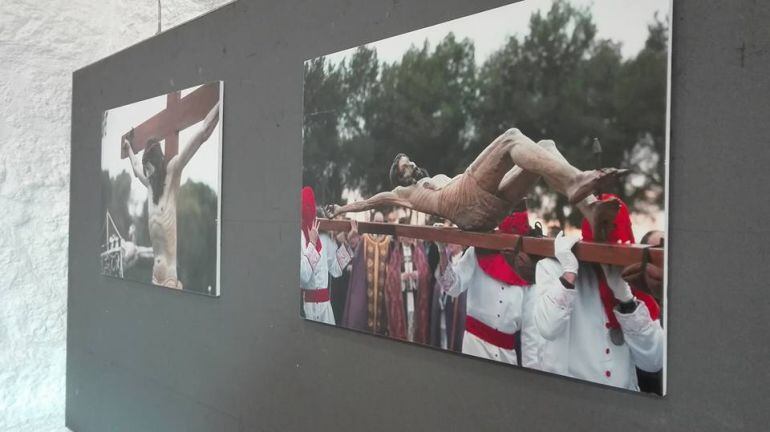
x: 419, y: 106
x: 324, y: 101
x: 115, y: 196
x: 541, y: 86
x: 197, y: 209
x: 559, y: 81
x: 562, y: 83
x: 640, y: 99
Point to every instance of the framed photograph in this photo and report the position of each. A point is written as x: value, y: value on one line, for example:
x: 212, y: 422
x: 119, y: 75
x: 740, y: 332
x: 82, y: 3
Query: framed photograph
x: 161, y: 190
x: 496, y: 186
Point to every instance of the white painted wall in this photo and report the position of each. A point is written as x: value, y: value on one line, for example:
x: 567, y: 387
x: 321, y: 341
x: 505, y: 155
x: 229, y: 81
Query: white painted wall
x: 41, y: 43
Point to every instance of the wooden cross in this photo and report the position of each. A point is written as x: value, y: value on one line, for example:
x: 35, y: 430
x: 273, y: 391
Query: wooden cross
x: 606, y: 253
x: 180, y: 113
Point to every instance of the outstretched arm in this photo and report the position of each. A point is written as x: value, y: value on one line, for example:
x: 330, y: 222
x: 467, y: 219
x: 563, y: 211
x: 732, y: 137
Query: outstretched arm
x: 397, y: 197
x: 209, y: 123
x: 136, y: 165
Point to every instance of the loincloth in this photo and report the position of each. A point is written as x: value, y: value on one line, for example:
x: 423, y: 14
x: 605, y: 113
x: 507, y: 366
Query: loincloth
x: 470, y: 207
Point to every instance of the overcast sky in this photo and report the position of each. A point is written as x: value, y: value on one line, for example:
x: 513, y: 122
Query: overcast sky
x: 203, y: 167
x: 620, y: 20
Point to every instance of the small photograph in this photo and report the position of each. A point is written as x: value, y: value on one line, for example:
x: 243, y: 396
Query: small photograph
x: 496, y: 186
x: 161, y: 183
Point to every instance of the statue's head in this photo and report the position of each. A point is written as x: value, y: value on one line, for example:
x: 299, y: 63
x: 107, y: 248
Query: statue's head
x: 404, y: 172
x: 154, y: 164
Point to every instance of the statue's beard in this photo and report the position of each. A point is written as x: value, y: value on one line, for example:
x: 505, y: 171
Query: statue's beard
x: 417, y: 174
x: 157, y: 180
x: 420, y: 173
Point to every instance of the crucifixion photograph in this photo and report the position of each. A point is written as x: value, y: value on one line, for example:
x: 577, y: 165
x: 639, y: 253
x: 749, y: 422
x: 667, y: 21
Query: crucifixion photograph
x: 495, y: 186
x: 161, y: 170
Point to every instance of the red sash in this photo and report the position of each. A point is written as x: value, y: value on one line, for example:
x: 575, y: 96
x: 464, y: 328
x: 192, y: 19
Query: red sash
x: 315, y: 295
x: 488, y: 334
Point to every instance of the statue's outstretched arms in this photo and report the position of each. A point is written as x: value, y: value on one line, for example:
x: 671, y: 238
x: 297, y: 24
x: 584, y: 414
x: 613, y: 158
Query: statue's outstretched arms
x: 397, y: 197
x: 209, y: 123
x: 136, y: 164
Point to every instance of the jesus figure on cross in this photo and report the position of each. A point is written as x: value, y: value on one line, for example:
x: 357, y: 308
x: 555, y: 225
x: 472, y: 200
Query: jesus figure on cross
x: 162, y: 179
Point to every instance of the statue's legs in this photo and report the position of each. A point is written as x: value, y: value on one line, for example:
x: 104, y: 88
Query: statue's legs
x: 562, y: 176
x: 511, y: 148
x: 517, y: 183
x: 491, y: 165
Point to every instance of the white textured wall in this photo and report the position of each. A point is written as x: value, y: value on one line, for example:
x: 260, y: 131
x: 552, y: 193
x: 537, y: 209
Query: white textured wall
x: 41, y: 43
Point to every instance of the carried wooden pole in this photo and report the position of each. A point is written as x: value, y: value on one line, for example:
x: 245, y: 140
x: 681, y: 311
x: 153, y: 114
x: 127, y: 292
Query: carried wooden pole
x: 604, y: 253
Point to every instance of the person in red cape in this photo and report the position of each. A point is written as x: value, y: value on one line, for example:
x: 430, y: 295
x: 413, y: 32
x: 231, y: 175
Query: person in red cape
x: 320, y: 256
x: 498, y: 300
x: 595, y: 326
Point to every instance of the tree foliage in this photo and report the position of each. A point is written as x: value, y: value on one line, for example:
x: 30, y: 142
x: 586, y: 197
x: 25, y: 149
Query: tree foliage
x: 559, y: 81
x: 197, y: 209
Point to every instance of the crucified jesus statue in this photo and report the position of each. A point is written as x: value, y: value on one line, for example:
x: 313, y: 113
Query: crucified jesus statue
x: 493, y: 184
x: 162, y: 180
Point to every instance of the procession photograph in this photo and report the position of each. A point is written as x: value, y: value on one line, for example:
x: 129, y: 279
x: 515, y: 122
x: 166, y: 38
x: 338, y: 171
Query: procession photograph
x: 160, y: 183
x: 496, y: 186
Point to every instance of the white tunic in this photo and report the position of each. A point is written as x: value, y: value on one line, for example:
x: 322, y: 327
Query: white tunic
x: 315, y: 268
x: 506, y: 308
x: 577, y: 340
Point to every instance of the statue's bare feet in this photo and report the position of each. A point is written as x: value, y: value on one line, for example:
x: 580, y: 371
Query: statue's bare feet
x: 601, y: 216
x: 588, y: 182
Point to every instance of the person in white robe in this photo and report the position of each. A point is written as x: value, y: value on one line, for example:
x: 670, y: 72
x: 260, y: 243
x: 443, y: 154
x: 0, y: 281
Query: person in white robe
x: 595, y: 327
x: 499, y: 301
x: 320, y: 256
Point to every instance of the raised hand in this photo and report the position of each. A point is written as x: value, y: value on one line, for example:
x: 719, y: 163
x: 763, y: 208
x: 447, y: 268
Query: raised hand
x: 647, y: 278
x: 125, y: 144
x: 313, y: 233
x: 619, y: 287
x: 562, y: 247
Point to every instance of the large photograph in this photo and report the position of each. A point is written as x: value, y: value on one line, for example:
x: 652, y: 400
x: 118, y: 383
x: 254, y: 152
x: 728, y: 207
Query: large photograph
x: 496, y: 186
x: 160, y: 182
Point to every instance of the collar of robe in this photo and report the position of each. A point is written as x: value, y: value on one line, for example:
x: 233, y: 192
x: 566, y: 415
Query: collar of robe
x: 493, y: 263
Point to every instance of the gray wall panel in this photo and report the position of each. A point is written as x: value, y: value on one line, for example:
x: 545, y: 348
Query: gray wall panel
x: 142, y: 358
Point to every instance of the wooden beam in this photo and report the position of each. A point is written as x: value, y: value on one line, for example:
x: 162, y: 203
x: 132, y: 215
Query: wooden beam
x: 605, y: 253
x: 182, y: 114
x: 171, y: 147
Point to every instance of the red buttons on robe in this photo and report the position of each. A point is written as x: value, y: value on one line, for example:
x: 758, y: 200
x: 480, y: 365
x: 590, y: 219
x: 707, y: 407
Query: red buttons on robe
x: 608, y: 373
x: 607, y: 351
